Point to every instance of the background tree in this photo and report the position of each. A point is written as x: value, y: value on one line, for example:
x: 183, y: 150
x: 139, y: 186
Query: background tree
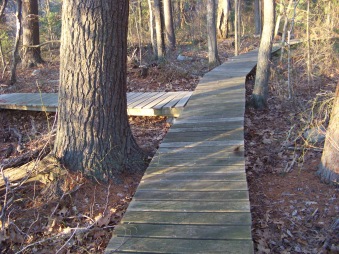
x: 222, y: 18
x: 16, y: 56
x: 257, y: 17
x: 93, y: 133
x: 158, y: 14
x: 213, y: 57
x: 260, y: 91
x: 237, y: 5
x: 30, y: 37
x: 169, y: 28
x: 329, y: 167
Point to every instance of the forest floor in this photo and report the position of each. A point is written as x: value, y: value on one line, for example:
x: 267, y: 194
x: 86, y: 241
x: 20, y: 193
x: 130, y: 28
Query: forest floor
x: 292, y: 210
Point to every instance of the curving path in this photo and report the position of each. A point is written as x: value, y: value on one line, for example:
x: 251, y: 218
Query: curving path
x: 193, y: 197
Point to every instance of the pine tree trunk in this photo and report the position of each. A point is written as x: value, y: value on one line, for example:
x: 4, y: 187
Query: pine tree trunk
x: 151, y: 28
x: 169, y: 28
x: 93, y: 133
x: 260, y: 91
x: 329, y: 167
x: 30, y: 36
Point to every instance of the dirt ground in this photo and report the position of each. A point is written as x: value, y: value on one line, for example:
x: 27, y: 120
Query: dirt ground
x: 292, y: 211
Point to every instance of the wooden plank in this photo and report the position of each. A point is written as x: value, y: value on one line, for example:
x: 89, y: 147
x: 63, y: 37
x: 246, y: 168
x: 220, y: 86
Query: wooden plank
x: 190, y: 206
x: 195, y: 162
x: 202, y: 120
x: 141, y: 99
x: 174, y: 101
x: 205, y: 135
x: 222, y: 151
x: 171, y: 96
x: 201, y: 218
x: 202, y: 232
x: 182, y: 102
x: 203, y: 143
x: 192, y: 186
x: 158, y: 100
x: 161, y: 169
x: 191, y: 195
x: 145, y: 103
x: 178, y: 246
x: 221, y: 177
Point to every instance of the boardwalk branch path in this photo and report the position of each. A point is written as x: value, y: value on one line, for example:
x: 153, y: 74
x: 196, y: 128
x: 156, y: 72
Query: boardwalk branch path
x: 193, y: 197
x: 138, y: 104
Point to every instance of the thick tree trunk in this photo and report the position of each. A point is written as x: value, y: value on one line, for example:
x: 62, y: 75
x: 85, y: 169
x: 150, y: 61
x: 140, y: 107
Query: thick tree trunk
x: 158, y: 14
x: 222, y: 18
x: 213, y: 57
x: 260, y: 91
x: 30, y: 37
x: 329, y: 167
x: 93, y: 133
x: 169, y: 28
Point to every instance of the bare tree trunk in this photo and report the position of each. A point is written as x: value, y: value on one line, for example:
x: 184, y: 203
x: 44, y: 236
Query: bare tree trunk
x: 30, y: 14
x: 159, y: 29
x: 169, y: 29
x: 260, y: 91
x: 237, y: 4
x: 257, y: 17
x: 151, y: 27
x: 329, y: 167
x: 93, y: 133
x: 277, y: 23
x: 222, y: 18
x: 213, y: 57
x: 16, y: 56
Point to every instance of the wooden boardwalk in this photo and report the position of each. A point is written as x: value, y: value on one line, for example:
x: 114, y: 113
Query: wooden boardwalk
x: 138, y: 104
x: 193, y: 197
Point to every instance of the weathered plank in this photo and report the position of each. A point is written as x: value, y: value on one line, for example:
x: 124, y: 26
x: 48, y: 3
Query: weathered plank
x: 139, y: 104
x: 192, y: 186
x: 187, y: 218
x: 190, y: 206
x: 202, y: 232
x: 191, y: 195
x: 151, y: 245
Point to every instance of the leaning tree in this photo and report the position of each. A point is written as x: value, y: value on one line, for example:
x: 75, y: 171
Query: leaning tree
x: 93, y: 133
x: 329, y: 166
x: 260, y: 91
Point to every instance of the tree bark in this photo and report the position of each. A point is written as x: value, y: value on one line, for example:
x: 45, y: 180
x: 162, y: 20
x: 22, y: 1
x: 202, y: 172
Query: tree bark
x: 329, y: 166
x: 158, y: 14
x: 93, y: 133
x: 30, y: 37
x: 260, y: 91
x: 213, y: 57
x: 222, y: 19
x: 169, y: 28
